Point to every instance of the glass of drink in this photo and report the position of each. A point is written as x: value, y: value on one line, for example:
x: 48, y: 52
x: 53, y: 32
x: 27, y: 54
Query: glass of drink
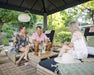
x: 51, y: 50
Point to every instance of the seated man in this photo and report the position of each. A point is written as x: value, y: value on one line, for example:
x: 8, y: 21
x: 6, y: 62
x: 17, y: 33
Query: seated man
x: 38, y: 38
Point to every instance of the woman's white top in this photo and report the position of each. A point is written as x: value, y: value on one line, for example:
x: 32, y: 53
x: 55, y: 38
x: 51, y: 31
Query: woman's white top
x: 79, y: 50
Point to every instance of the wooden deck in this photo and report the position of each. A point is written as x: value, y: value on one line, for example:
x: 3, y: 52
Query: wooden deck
x: 9, y: 68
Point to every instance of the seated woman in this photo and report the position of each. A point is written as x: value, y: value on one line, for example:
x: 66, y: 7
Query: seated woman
x: 77, y: 47
x: 22, y: 43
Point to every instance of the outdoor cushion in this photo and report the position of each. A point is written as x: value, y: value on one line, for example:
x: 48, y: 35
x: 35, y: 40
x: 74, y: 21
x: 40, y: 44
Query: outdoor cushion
x: 90, y: 50
x: 90, y: 41
x: 48, y: 64
x: 85, y: 68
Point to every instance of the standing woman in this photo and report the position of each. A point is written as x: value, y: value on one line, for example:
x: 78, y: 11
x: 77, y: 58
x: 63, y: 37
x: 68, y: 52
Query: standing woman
x: 22, y: 43
x: 79, y: 49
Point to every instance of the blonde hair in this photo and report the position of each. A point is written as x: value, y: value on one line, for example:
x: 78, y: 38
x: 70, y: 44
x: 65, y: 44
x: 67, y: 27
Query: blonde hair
x: 73, y: 26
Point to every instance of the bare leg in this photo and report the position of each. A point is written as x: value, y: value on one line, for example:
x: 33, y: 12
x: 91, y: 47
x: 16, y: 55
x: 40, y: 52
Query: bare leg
x: 36, y: 47
x: 48, y: 46
x: 18, y: 62
x: 26, y: 52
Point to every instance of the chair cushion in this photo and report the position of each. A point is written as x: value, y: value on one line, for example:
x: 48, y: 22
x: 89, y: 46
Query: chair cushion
x: 90, y: 50
x: 90, y: 41
x: 51, y: 35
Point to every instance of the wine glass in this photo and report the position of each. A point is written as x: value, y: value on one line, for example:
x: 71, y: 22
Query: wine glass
x: 40, y: 48
x: 51, y: 50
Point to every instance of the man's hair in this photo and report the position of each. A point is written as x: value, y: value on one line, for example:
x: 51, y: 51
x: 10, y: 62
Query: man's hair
x: 39, y: 27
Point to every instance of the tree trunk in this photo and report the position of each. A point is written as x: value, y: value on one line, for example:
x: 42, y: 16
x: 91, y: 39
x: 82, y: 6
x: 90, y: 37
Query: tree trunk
x: 51, y: 20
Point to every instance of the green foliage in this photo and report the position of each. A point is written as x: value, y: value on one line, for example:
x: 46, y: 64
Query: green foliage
x: 88, y: 9
x: 9, y: 33
x: 68, y: 20
x: 50, y: 27
x: 5, y: 42
x: 9, y: 15
x: 31, y: 31
x: 63, y: 36
x: 7, y: 29
x: 62, y: 28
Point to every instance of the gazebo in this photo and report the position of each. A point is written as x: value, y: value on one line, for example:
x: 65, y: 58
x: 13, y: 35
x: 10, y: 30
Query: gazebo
x: 40, y: 7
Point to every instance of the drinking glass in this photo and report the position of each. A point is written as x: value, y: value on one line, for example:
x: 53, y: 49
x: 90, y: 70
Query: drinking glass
x: 51, y: 50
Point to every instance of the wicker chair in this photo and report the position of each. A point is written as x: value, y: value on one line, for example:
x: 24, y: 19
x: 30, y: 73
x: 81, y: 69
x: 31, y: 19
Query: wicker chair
x: 13, y: 56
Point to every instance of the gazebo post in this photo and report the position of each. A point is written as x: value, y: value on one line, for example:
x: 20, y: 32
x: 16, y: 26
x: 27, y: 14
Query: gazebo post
x: 45, y: 22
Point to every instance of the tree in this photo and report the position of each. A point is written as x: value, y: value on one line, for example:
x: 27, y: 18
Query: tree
x: 11, y: 17
x: 7, y: 16
x: 88, y: 8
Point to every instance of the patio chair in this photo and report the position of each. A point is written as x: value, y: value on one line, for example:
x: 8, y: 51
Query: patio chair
x: 90, y: 42
x: 87, y: 33
x: 50, y: 34
x: 13, y: 56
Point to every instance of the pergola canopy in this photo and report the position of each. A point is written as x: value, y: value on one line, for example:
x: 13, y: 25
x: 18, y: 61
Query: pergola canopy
x: 39, y: 7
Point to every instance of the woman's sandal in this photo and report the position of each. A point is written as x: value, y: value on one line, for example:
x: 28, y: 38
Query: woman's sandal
x: 26, y: 59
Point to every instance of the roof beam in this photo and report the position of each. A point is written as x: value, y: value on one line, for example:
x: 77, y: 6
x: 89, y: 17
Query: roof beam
x: 21, y: 3
x: 64, y: 2
x: 6, y: 1
x: 68, y: 5
x: 52, y: 3
x: 17, y: 8
x: 44, y: 6
x: 33, y: 5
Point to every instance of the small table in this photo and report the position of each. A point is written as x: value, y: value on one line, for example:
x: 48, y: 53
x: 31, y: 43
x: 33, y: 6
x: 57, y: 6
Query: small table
x: 35, y: 58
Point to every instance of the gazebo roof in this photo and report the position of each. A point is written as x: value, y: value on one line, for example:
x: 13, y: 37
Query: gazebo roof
x: 39, y: 7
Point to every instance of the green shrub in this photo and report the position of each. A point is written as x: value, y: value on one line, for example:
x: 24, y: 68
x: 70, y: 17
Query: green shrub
x: 9, y: 33
x: 5, y: 27
x: 50, y: 27
x: 5, y: 42
x: 63, y: 36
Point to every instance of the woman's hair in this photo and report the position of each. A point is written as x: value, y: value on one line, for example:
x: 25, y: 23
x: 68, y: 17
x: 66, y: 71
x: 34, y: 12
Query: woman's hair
x: 20, y: 27
x: 74, y: 26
